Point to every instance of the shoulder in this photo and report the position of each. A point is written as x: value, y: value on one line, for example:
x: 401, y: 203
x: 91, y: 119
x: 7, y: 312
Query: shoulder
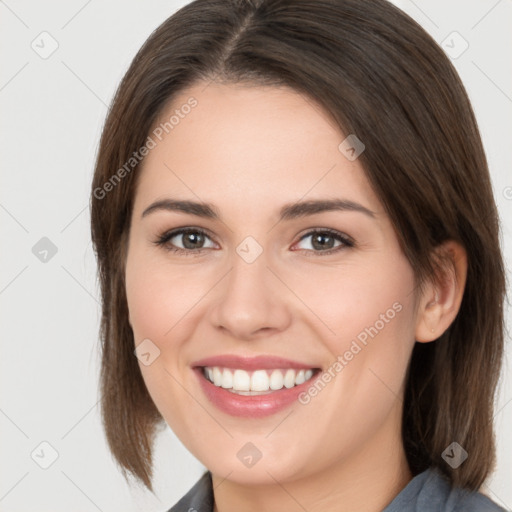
x: 199, y: 498
x: 466, y: 501
x: 431, y: 491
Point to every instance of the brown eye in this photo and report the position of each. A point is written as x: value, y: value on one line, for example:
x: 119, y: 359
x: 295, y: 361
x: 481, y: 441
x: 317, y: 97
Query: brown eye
x: 322, y: 241
x: 185, y: 240
x: 191, y: 240
x: 325, y: 241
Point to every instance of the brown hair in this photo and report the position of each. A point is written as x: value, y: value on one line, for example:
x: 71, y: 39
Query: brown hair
x: 383, y: 78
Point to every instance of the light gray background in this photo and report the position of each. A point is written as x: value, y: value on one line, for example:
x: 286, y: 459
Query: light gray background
x: 52, y: 114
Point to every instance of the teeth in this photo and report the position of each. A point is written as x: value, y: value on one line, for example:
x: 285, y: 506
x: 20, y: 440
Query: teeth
x: 289, y: 378
x: 217, y: 376
x: 276, y: 380
x: 259, y: 381
x: 241, y: 380
x: 227, y: 379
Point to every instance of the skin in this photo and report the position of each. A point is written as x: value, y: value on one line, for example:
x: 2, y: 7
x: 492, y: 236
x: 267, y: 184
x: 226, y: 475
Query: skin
x: 249, y: 150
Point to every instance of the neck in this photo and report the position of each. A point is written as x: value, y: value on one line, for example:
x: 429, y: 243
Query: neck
x: 367, y: 481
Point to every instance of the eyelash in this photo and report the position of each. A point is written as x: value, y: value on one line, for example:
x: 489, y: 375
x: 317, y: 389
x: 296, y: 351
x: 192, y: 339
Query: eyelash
x: 163, y: 241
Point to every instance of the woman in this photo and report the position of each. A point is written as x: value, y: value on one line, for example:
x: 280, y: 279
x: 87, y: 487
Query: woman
x: 299, y: 261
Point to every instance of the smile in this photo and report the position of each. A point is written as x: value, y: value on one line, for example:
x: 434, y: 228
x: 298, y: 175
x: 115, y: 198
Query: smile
x: 263, y: 381
x: 253, y: 387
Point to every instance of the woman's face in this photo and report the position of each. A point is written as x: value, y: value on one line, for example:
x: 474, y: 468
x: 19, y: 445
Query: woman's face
x: 293, y: 262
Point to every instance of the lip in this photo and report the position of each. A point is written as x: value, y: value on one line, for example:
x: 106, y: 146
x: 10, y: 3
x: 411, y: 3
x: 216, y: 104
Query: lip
x: 256, y: 406
x: 252, y: 363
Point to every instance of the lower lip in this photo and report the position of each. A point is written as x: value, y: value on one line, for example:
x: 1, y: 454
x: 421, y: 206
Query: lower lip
x: 255, y: 406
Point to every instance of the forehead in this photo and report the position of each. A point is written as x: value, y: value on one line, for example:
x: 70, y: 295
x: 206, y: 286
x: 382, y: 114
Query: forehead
x: 240, y: 143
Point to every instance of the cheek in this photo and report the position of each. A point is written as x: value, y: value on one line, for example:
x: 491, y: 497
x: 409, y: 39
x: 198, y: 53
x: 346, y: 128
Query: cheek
x: 355, y: 299
x: 159, y: 295
x: 376, y: 331
x: 164, y: 303
x: 370, y: 317
x: 159, y: 298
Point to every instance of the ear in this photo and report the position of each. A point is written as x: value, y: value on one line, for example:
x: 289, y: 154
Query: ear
x: 441, y: 298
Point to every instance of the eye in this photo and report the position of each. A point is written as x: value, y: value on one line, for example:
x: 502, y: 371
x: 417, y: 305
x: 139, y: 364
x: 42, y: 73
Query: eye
x: 185, y: 240
x: 325, y: 241
x: 192, y: 240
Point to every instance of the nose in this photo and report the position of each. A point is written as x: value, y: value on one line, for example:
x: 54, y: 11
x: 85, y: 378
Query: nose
x: 250, y: 301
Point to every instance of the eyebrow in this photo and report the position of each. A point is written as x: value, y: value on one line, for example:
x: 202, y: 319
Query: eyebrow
x: 287, y: 212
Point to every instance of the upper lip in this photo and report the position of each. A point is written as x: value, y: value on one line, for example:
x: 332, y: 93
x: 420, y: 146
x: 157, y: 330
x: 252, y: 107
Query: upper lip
x: 251, y: 363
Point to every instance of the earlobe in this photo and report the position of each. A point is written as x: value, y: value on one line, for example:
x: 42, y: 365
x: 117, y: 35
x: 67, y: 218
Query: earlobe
x: 441, y: 299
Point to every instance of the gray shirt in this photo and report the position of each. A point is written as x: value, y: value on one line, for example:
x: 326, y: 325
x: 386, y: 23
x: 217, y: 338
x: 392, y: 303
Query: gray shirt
x: 427, y: 492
